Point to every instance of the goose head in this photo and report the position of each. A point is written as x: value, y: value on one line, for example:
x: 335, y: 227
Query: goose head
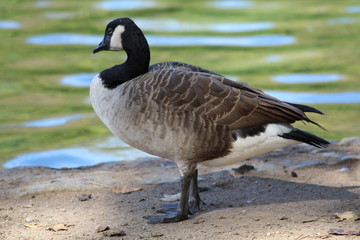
x: 121, y: 34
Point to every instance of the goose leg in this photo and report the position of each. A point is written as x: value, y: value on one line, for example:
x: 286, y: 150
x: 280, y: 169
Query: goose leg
x: 183, y: 207
x: 194, y: 200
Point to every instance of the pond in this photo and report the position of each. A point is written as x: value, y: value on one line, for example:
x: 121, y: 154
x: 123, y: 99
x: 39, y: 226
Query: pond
x: 273, y: 58
x: 51, y: 122
x: 60, y: 158
x: 7, y: 24
x: 161, y: 40
x: 173, y: 25
x: 78, y: 80
x: 42, y: 4
x: 230, y: 41
x: 342, y: 20
x: 111, y: 149
x: 306, y: 78
x: 57, y: 15
x: 231, y: 4
x: 316, y: 98
x: 353, y: 9
x: 125, y: 5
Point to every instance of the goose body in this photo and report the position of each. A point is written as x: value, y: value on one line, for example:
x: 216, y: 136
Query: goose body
x: 188, y: 114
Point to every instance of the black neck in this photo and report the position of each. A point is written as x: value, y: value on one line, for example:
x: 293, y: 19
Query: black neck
x: 136, y: 64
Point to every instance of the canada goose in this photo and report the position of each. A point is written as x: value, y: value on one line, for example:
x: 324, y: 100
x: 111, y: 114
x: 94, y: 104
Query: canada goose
x: 188, y: 114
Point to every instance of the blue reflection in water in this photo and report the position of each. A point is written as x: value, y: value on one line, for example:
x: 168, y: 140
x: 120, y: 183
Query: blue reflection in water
x: 51, y: 122
x: 232, y: 4
x: 173, y: 25
x: 306, y: 78
x: 273, y: 58
x: 78, y: 80
x: 64, y: 38
x: 319, y: 98
x: 353, y: 9
x: 60, y: 158
x: 160, y: 40
x: 5, y: 24
x: 125, y: 5
x: 246, y: 41
x: 342, y: 20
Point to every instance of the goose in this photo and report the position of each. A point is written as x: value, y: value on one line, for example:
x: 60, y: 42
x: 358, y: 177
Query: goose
x: 188, y: 114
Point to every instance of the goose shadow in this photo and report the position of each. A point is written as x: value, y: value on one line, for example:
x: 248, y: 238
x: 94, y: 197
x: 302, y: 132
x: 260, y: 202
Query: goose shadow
x: 225, y: 190
x: 221, y: 190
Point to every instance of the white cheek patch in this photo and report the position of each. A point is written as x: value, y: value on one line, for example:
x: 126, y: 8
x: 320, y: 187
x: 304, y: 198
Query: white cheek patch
x: 115, y: 41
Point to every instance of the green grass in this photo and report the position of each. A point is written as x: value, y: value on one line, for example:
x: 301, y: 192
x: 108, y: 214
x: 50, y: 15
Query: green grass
x: 30, y: 74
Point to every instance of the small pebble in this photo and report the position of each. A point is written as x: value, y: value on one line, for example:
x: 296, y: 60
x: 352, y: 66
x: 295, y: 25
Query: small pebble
x: 344, y: 169
x: 101, y: 228
x: 85, y: 197
x: 29, y: 219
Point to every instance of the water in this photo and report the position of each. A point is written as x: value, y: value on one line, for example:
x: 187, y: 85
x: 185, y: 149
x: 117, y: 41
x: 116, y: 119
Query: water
x: 64, y: 38
x: 6, y: 24
x: 51, y: 122
x: 273, y: 58
x: 162, y: 40
x: 43, y: 4
x: 173, y: 25
x: 111, y: 149
x: 353, y: 9
x: 232, y: 4
x: 306, y: 78
x: 78, y: 80
x: 57, y: 15
x: 342, y: 20
x: 316, y: 98
x: 233, y: 41
x: 126, y: 5
x: 61, y: 158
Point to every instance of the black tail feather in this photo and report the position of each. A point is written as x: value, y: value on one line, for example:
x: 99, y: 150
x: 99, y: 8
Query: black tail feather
x: 305, y: 108
x: 306, y: 137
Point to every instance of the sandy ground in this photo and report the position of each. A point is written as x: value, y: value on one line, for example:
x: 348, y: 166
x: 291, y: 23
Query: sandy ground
x: 293, y: 193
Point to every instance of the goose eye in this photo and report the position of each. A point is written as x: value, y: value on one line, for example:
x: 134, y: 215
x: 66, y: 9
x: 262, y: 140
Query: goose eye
x: 110, y: 31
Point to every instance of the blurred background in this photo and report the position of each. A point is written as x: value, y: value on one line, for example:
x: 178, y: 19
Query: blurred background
x: 299, y: 51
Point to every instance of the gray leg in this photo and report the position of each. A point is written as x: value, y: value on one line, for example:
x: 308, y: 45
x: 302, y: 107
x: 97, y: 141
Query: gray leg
x: 195, y: 199
x: 183, y: 208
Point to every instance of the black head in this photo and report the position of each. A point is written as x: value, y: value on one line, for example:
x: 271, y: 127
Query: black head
x: 118, y: 34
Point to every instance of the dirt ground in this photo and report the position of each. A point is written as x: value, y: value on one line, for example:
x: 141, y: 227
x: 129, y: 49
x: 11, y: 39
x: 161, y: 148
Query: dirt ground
x: 298, y: 192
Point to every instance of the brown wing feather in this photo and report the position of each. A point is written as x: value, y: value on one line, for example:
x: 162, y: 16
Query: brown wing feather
x: 212, y: 96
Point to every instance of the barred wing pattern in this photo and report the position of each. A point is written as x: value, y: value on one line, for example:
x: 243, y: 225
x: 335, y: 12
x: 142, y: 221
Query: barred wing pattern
x: 184, y: 87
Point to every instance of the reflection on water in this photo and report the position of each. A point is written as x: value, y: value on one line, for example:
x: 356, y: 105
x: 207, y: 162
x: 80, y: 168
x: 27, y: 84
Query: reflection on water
x: 126, y: 5
x: 42, y: 4
x: 161, y: 40
x: 245, y: 41
x: 318, y: 98
x: 342, y: 20
x: 57, y: 15
x: 232, y: 4
x: 78, y: 80
x: 64, y: 38
x: 353, y: 9
x: 60, y: 158
x: 173, y: 25
x: 306, y: 78
x: 111, y: 149
x: 51, y: 122
x: 273, y: 58
x: 5, y: 24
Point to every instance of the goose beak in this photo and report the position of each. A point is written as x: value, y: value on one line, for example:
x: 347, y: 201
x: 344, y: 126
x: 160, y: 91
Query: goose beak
x: 102, y: 46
